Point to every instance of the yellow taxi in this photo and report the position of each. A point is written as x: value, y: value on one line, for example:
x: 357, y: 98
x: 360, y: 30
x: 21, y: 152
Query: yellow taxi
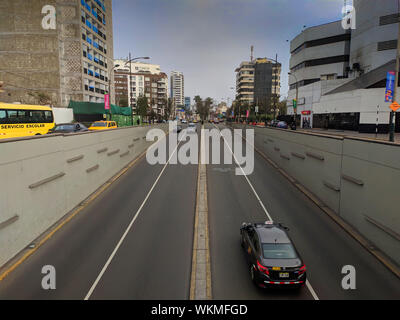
x: 103, y: 125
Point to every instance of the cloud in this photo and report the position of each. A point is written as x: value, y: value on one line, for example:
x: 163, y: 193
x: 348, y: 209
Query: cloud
x: 207, y: 39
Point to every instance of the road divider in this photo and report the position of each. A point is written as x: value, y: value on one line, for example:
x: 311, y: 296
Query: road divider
x: 200, y: 284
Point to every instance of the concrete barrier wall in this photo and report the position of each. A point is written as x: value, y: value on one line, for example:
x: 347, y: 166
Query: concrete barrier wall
x: 43, y: 178
x: 359, y: 179
x: 370, y: 192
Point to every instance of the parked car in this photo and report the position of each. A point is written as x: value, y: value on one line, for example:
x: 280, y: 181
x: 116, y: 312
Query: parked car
x: 68, y: 128
x: 282, y: 125
x: 103, y: 125
x: 274, y: 123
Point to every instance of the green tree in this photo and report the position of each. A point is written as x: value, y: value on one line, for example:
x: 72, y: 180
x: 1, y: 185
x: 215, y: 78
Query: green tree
x: 142, y: 107
x: 282, y: 106
x: 169, y: 105
x: 123, y: 101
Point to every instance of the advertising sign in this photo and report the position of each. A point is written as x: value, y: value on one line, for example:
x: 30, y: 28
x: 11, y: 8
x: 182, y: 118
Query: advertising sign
x: 107, y: 102
x: 390, y: 79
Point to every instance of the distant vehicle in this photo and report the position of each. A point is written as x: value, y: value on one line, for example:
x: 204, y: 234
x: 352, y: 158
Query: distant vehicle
x: 18, y: 120
x: 191, y: 128
x: 216, y: 121
x: 69, y: 128
x: 183, y: 121
x: 178, y: 128
x: 274, y: 123
x: 282, y: 125
x: 273, y: 259
x: 103, y: 125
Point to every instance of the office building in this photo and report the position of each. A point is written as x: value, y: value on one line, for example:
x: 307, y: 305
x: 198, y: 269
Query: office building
x: 341, y: 73
x: 258, y: 82
x: 63, y: 54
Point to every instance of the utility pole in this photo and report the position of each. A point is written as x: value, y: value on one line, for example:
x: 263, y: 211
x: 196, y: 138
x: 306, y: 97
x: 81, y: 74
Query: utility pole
x: 396, y: 83
x: 275, y: 82
x: 129, y: 86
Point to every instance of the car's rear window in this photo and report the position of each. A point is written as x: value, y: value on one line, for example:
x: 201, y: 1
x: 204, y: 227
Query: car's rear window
x: 65, y: 127
x: 99, y: 124
x: 191, y: 125
x: 278, y: 251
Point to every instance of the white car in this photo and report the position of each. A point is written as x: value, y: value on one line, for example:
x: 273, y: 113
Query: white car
x: 191, y: 128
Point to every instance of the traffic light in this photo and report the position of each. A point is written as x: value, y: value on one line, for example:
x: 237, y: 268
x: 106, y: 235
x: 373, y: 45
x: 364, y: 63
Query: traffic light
x: 294, y: 104
x: 1, y: 86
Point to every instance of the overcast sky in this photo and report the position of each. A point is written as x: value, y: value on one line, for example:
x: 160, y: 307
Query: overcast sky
x: 207, y: 39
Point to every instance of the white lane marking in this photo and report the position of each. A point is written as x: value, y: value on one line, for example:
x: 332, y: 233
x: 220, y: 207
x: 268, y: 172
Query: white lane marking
x: 308, y: 284
x: 248, y: 181
x: 93, y: 287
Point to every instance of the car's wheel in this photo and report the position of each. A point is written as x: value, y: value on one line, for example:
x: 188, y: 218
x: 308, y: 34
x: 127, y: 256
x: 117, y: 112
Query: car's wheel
x: 253, y: 275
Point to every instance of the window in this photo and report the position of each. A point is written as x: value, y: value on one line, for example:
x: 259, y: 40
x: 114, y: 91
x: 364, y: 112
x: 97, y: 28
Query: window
x: 278, y: 251
x: 3, y: 116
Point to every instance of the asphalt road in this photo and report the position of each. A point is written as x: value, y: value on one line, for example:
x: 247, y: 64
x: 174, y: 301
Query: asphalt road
x: 135, y: 241
x: 324, y: 246
x: 154, y: 259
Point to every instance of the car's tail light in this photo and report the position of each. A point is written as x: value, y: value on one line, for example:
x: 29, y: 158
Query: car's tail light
x: 262, y: 269
x: 302, y: 269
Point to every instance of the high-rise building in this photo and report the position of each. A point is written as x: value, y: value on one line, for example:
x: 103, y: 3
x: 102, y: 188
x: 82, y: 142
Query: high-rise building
x: 245, y: 82
x: 267, y: 83
x: 258, y: 82
x: 178, y: 88
x: 63, y: 54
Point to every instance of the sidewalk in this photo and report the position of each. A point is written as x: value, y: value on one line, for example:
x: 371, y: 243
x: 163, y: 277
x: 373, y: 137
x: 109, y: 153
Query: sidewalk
x: 349, y: 133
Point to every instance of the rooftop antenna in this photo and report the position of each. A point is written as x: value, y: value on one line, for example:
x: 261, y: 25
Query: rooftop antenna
x: 251, y: 53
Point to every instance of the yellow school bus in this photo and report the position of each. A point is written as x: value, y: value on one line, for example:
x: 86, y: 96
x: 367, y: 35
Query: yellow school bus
x: 19, y: 120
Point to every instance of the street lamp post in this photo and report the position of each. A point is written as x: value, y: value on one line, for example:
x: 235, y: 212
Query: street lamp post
x: 129, y: 79
x: 109, y: 86
x: 392, y: 118
x: 297, y: 96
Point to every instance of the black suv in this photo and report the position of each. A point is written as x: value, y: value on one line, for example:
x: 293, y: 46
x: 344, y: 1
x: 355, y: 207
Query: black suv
x: 273, y: 259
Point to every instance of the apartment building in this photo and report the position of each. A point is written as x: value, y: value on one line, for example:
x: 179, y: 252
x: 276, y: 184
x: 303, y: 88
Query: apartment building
x: 245, y: 82
x: 178, y: 88
x: 141, y: 83
x: 70, y: 59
